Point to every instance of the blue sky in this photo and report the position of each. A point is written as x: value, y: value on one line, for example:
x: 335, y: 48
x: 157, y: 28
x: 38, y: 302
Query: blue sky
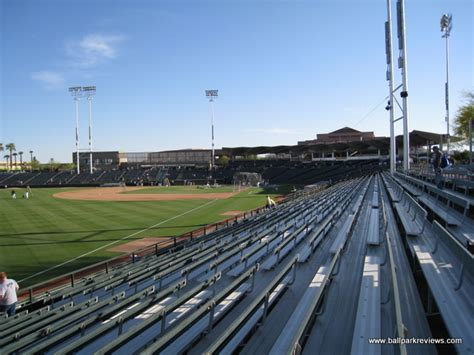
x: 285, y: 70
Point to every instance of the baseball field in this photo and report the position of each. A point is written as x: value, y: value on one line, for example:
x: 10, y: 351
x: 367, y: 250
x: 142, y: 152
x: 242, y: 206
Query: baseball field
x: 57, y: 231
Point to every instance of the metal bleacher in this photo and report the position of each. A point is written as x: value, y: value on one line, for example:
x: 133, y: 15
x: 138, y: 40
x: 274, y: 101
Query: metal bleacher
x: 443, y: 259
x: 327, y: 269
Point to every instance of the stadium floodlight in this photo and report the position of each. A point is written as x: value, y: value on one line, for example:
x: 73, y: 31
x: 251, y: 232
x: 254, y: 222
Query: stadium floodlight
x: 89, y: 92
x: 77, y: 93
x: 446, y: 24
x: 75, y: 90
x: 212, y: 95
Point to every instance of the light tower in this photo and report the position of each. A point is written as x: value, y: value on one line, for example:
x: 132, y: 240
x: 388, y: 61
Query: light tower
x: 89, y: 92
x: 402, y: 64
x: 446, y: 25
x: 212, y: 95
x: 390, y: 106
x: 76, y: 93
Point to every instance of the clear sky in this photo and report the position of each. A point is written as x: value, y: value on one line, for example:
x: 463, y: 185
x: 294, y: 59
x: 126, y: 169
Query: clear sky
x: 285, y: 70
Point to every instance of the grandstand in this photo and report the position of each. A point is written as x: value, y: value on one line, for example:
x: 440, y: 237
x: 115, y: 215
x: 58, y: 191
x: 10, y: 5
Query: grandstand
x: 343, y: 242
x: 372, y: 256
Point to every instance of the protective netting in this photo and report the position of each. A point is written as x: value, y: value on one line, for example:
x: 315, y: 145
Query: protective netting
x: 247, y: 179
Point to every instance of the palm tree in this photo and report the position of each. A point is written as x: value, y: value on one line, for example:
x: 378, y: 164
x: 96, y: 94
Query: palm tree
x: 21, y: 160
x: 6, y: 158
x: 11, y: 147
x: 31, y: 160
x: 1, y: 147
x: 15, y: 155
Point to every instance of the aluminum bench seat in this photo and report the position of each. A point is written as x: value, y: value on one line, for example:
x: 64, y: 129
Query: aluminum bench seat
x: 373, y: 237
x: 368, y: 318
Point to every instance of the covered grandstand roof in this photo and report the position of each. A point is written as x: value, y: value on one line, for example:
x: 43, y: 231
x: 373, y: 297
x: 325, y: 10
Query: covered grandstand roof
x: 417, y: 138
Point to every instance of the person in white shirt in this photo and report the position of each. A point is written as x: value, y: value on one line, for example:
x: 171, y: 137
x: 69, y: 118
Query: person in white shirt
x: 270, y: 202
x: 8, y: 297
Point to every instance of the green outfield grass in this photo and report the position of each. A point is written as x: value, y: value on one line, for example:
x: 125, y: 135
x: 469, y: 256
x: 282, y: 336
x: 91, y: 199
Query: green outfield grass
x: 42, y: 232
x: 181, y: 190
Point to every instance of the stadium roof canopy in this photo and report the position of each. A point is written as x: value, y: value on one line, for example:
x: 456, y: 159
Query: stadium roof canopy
x: 373, y: 144
x: 421, y: 138
x: 417, y: 138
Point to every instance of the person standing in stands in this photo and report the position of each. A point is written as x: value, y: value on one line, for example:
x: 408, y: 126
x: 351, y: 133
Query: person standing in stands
x: 8, y: 297
x: 270, y: 202
x: 436, y: 161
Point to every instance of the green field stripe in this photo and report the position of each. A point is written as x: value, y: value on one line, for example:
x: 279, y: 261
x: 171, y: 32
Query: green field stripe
x: 44, y: 231
x: 57, y: 266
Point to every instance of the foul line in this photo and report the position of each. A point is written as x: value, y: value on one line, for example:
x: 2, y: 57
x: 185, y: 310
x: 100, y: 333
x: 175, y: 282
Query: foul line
x: 117, y: 241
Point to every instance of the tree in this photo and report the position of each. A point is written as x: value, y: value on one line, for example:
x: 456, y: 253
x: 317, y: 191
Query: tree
x: 21, y: 159
x: 53, y: 164
x: 223, y: 160
x: 35, y: 164
x: 1, y: 147
x: 464, y: 115
x: 15, y: 155
x: 6, y: 158
x: 11, y: 147
x: 31, y: 160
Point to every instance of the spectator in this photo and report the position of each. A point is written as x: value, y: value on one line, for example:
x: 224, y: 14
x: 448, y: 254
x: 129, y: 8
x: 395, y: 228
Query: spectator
x: 436, y: 161
x: 270, y: 202
x: 8, y: 298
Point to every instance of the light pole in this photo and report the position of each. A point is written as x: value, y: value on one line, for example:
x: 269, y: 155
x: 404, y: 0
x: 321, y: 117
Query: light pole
x: 76, y: 93
x: 31, y: 160
x: 402, y: 64
x: 89, y: 92
x: 446, y: 25
x: 212, y: 95
x: 390, y: 105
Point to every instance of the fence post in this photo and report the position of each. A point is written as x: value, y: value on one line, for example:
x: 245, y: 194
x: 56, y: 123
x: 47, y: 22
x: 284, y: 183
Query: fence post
x: 72, y: 280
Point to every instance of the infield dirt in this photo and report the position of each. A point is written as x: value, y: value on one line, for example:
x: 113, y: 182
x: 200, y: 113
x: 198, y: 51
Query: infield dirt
x: 115, y: 194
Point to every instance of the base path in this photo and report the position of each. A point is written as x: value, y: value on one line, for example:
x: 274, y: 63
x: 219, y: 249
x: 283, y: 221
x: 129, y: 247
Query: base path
x: 115, y: 194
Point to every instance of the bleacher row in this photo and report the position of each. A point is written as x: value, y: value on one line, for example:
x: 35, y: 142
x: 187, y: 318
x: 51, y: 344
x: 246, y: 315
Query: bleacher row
x: 439, y: 238
x: 195, y: 268
x: 274, y: 172
x: 70, y: 178
x: 326, y: 270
